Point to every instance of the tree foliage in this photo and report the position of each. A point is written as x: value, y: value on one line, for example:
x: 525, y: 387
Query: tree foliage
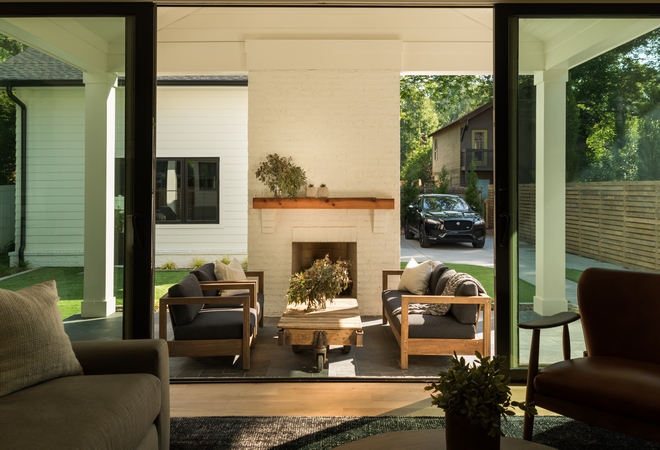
x: 472, y: 191
x: 8, y: 48
x: 612, y: 103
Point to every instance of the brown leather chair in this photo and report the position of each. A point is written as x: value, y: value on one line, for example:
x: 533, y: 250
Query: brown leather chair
x: 616, y: 385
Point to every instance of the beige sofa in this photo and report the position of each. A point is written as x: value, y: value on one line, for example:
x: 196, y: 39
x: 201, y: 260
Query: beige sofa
x: 121, y: 402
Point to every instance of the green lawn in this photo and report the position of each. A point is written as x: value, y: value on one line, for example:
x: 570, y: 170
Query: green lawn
x: 70, y: 284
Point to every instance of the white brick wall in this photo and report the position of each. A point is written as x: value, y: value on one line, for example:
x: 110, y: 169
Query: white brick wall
x: 342, y: 128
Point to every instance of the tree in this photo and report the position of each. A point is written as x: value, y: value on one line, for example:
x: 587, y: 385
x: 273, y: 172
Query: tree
x: 8, y: 48
x: 442, y: 185
x: 472, y: 191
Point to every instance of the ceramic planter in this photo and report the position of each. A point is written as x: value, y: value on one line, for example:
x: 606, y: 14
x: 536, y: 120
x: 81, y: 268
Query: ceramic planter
x: 323, y: 192
x: 461, y: 435
x: 311, y: 192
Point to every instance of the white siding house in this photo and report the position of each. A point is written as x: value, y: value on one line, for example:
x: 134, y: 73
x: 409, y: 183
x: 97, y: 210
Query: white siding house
x: 201, y: 119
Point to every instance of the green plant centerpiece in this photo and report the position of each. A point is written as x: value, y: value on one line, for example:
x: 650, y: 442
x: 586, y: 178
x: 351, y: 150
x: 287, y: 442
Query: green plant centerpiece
x: 475, y: 397
x: 322, y: 282
x: 281, y: 175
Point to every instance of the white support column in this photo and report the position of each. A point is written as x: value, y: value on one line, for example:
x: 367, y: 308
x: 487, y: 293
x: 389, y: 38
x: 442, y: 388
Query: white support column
x: 550, y: 295
x: 99, y: 300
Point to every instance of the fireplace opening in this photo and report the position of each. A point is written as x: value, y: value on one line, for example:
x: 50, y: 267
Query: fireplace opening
x: 303, y: 254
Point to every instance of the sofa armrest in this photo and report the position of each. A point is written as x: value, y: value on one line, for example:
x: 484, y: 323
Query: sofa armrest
x: 387, y: 273
x: 131, y: 356
x: 259, y: 275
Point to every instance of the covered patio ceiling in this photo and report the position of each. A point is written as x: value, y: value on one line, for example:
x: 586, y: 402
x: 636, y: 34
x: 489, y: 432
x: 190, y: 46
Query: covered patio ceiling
x: 210, y: 40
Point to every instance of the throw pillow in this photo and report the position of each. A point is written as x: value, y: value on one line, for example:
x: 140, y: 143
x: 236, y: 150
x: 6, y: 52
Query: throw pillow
x: 438, y: 269
x: 206, y: 273
x: 466, y: 313
x: 415, y: 277
x: 231, y: 272
x: 442, y: 281
x: 33, y: 345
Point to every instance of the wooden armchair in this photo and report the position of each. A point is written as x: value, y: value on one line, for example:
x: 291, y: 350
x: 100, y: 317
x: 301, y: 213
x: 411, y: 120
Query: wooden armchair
x: 206, y: 274
x: 616, y: 385
x: 210, y: 325
x: 435, y: 335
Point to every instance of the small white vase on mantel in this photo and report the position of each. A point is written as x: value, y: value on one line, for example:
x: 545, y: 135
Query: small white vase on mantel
x: 323, y: 191
x: 311, y: 191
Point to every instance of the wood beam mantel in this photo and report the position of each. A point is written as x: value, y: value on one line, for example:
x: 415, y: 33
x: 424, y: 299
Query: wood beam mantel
x: 323, y: 203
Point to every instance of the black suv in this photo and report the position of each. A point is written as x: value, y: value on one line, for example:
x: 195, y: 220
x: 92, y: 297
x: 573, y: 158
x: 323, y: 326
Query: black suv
x: 434, y: 218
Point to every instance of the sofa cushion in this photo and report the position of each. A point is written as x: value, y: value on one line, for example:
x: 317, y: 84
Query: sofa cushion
x: 188, y: 287
x: 466, y: 313
x: 425, y: 325
x: 87, y: 411
x: 438, y: 269
x: 230, y: 272
x: 206, y: 273
x: 442, y: 281
x: 33, y: 345
x: 216, y: 323
x: 415, y: 277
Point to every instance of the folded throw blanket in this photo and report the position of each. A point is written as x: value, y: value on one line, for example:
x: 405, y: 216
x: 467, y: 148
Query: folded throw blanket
x: 440, y: 309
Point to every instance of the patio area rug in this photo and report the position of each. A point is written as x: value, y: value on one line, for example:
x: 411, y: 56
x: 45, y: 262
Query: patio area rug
x: 324, y: 433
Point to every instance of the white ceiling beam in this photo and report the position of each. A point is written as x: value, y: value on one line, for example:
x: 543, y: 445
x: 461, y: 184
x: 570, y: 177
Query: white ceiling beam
x: 64, y: 39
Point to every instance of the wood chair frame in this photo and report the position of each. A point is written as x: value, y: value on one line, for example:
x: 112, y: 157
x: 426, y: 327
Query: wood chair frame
x: 437, y: 346
x: 213, y: 347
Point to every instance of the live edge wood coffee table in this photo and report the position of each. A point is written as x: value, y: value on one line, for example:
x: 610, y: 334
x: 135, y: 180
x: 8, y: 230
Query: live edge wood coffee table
x: 338, y: 324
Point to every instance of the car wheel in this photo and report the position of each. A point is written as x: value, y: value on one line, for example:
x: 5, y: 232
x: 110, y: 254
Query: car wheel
x: 423, y: 238
x: 407, y: 233
x: 479, y: 244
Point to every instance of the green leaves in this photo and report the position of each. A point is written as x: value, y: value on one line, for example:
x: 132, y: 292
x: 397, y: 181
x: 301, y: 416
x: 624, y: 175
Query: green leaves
x: 281, y: 175
x: 477, y: 391
x: 324, y: 280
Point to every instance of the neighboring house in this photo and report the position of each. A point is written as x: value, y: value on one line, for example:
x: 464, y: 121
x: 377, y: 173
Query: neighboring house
x: 201, y: 166
x: 466, y: 140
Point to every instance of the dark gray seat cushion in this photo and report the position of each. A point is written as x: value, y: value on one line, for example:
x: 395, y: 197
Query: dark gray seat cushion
x: 427, y: 326
x: 260, y: 304
x: 216, y: 323
x: 85, y: 411
x: 206, y: 273
x: 188, y: 287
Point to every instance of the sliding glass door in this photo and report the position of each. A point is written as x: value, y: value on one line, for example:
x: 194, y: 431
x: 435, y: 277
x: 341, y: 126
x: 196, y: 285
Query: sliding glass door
x: 82, y: 167
x: 577, y: 170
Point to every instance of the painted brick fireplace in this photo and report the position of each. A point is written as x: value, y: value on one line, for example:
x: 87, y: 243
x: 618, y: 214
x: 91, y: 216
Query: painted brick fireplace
x: 341, y: 126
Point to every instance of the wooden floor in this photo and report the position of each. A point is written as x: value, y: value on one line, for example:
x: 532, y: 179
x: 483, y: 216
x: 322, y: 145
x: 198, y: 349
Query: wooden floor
x: 306, y: 399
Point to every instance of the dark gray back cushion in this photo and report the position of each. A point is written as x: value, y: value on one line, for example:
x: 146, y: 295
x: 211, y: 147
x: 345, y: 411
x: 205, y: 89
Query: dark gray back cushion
x: 206, y: 273
x: 438, y: 270
x: 466, y: 313
x: 188, y: 287
x: 442, y: 281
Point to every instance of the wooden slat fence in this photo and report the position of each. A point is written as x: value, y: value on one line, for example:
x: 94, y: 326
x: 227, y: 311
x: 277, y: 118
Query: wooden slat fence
x: 616, y: 222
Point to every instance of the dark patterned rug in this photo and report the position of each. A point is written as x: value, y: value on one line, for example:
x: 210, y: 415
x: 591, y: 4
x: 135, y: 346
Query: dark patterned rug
x: 323, y: 433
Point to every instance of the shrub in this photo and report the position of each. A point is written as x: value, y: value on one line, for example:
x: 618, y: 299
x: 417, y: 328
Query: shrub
x: 324, y: 280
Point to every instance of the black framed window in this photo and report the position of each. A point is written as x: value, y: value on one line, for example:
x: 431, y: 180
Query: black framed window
x: 187, y: 190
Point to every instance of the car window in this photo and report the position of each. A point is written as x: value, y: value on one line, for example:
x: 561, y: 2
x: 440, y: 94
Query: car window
x: 445, y: 204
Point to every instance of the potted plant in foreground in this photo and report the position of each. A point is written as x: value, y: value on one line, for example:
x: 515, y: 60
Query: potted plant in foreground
x: 322, y: 282
x: 475, y: 397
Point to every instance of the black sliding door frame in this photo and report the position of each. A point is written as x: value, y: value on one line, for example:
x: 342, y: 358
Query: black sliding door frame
x: 140, y: 149
x: 505, y: 71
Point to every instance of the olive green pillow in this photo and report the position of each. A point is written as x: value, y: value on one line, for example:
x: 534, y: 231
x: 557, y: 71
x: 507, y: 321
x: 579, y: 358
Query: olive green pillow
x: 33, y: 345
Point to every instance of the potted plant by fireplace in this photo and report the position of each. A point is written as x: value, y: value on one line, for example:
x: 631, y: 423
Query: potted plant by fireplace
x: 475, y: 397
x: 322, y: 282
x: 281, y: 175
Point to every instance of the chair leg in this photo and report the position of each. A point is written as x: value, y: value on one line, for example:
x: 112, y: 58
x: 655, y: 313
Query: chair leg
x: 528, y: 427
x: 404, y: 357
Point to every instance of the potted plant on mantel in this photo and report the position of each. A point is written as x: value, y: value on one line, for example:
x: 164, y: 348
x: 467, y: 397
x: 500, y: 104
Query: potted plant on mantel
x: 322, y: 282
x: 475, y: 398
x: 281, y: 176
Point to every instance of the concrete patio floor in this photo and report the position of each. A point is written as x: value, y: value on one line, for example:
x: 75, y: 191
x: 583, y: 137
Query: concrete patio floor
x: 378, y: 359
